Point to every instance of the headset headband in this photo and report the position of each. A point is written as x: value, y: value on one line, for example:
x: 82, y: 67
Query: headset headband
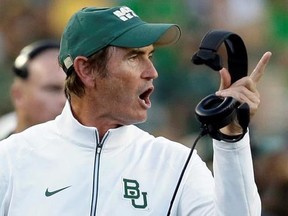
x: 28, y: 53
x: 236, y: 50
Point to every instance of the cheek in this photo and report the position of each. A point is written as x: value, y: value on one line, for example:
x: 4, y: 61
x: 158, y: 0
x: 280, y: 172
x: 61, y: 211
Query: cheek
x: 31, y: 99
x: 40, y: 100
x: 127, y: 91
x: 119, y: 96
x: 43, y: 109
x: 122, y: 85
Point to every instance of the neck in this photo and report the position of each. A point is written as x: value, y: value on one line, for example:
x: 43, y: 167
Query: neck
x: 21, y: 125
x: 87, y: 114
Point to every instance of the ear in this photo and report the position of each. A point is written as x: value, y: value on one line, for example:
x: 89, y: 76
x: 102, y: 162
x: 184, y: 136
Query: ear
x: 17, y: 94
x: 83, y: 70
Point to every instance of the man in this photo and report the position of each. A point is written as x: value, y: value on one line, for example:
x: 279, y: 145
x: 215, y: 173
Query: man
x: 37, y: 91
x: 92, y: 160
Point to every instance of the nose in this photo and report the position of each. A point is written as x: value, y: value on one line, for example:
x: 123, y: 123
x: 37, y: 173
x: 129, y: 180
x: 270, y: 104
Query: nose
x: 150, y: 71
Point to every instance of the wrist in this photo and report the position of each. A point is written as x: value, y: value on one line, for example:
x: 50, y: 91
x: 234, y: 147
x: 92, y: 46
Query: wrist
x: 232, y: 129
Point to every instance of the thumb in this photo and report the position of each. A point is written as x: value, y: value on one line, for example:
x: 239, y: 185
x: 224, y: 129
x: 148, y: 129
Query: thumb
x: 225, y: 79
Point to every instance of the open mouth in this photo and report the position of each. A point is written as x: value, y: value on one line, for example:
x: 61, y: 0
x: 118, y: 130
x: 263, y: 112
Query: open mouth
x: 145, y: 97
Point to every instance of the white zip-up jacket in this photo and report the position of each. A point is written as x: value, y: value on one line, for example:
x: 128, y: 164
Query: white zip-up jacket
x: 61, y: 168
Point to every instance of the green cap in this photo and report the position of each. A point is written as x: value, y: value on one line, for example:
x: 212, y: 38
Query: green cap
x: 91, y: 29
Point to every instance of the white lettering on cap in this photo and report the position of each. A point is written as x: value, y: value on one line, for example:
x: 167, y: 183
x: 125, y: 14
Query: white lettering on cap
x: 125, y: 13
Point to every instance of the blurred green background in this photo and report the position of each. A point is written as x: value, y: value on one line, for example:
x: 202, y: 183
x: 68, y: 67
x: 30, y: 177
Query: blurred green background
x: 262, y: 24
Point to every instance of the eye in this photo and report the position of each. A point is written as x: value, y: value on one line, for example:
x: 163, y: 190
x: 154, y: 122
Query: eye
x: 53, y: 89
x: 133, y: 56
x: 151, y: 57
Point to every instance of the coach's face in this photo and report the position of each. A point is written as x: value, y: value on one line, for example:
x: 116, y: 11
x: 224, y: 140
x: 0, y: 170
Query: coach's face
x: 125, y: 92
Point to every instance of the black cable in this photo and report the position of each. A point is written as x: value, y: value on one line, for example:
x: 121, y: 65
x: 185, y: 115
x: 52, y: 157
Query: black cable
x: 202, y: 133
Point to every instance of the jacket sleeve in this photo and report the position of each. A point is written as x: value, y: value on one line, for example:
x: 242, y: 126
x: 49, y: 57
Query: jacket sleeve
x: 232, y: 191
x: 235, y: 189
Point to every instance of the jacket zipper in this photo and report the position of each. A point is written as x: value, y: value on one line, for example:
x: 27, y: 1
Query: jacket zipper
x: 95, y: 184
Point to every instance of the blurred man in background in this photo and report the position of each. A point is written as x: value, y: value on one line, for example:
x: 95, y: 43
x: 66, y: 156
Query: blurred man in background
x: 37, y: 91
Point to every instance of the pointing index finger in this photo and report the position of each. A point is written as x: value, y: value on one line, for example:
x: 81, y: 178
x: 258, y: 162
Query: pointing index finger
x: 260, y: 67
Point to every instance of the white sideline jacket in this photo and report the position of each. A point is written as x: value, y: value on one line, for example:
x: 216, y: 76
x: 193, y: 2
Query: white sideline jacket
x: 61, y: 168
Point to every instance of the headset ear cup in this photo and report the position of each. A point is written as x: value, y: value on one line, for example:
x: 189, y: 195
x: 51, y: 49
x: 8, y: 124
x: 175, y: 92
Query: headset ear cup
x: 20, y: 71
x: 216, y: 112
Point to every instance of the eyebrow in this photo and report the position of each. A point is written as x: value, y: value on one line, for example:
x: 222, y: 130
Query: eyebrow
x: 139, y: 51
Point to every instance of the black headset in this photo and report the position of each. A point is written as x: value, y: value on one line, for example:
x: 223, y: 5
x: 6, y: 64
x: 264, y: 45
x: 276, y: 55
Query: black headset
x: 215, y: 112
x: 28, y: 53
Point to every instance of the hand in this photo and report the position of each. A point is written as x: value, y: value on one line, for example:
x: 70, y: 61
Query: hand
x: 243, y: 90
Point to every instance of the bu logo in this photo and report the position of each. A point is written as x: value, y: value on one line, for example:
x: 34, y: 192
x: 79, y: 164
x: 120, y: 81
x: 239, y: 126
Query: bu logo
x: 132, y: 192
x: 125, y: 13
